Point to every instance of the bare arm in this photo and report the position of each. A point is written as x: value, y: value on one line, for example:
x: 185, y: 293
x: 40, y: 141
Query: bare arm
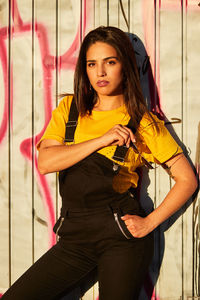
x: 185, y: 185
x: 54, y: 156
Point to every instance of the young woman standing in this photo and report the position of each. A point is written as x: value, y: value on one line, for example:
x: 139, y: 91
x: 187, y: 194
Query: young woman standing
x: 96, y: 139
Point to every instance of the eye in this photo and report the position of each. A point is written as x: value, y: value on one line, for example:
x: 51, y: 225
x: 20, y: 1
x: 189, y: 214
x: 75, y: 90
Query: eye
x: 111, y: 62
x: 90, y: 64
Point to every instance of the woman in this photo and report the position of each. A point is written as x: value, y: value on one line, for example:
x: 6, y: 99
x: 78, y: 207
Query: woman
x: 96, y: 140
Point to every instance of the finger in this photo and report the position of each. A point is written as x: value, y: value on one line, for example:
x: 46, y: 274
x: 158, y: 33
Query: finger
x: 122, y: 137
x: 126, y: 132
x: 126, y: 135
x: 132, y: 136
x: 126, y: 217
x: 124, y: 129
x: 128, y: 142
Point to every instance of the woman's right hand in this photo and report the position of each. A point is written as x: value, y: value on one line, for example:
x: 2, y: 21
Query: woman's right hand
x: 118, y: 135
x: 54, y: 156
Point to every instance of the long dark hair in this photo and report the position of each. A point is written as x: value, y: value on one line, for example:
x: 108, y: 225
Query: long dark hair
x: 86, y: 97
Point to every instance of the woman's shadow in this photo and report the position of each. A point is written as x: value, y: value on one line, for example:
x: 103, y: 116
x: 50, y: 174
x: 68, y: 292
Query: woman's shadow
x: 151, y: 95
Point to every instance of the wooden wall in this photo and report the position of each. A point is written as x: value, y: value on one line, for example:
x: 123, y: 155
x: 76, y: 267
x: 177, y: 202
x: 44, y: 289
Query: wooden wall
x: 39, y: 42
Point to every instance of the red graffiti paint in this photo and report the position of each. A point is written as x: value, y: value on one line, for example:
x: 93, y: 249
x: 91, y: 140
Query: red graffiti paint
x: 66, y: 61
x: 192, y: 5
x: 4, y: 62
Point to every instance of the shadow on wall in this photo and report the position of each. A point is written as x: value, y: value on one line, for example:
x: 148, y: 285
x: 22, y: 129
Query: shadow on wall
x: 150, y: 93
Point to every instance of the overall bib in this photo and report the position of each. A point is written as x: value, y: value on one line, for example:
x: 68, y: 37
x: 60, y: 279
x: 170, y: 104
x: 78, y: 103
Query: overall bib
x: 89, y: 185
x: 91, y: 215
x: 92, y: 236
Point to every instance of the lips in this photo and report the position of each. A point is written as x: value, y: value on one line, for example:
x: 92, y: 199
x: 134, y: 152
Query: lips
x: 102, y: 83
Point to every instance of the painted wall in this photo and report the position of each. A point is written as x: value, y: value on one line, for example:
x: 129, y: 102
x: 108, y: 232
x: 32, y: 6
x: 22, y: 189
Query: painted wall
x: 39, y: 42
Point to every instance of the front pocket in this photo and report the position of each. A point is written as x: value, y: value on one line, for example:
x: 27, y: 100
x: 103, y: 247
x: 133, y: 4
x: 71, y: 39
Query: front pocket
x: 58, y: 228
x: 120, y: 226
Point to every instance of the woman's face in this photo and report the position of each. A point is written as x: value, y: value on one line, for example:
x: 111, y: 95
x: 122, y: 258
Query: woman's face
x: 104, y: 69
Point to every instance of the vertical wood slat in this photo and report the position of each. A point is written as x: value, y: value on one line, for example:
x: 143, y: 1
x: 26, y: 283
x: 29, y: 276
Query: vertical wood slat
x: 187, y: 253
x: 20, y: 171
x: 4, y: 149
x: 169, y: 78
x: 123, y: 15
x: 33, y: 124
x: 44, y: 102
x: 191, y: 139
x: 10, y: 100
x: 114, y: 13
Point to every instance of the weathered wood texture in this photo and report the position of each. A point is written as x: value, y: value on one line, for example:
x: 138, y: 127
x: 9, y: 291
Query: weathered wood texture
x: 39, y: 41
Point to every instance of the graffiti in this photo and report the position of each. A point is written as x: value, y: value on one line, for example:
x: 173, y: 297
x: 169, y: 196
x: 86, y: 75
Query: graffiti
x: 66, y: 61
x: 196, y: 223
x: 50, y: 63
x: 152, y: 40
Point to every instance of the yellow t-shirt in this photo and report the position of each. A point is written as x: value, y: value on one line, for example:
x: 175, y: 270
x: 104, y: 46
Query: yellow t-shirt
x: 155, y: 147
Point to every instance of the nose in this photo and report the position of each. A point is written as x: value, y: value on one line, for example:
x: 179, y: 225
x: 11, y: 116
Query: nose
x: 101, y: 72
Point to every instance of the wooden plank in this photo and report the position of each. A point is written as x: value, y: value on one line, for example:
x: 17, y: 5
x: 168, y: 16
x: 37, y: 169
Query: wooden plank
x: 191, y: 109
x: 69, y: 37
x: 140, y: 14
x: 113, y: 13
x: 169, y: 79
x: 20, y: 168
x: 4, y: 150
x: 44, y: 100
x: 124, y: 15
x: 142, y: 20
x: 101, y: 13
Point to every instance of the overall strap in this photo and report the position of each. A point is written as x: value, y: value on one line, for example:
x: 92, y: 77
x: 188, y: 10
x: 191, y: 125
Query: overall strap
x: 121, y: 151
x: 71, y: 125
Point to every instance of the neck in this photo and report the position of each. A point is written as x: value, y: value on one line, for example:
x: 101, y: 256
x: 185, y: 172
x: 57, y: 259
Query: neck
x: 109, y: 102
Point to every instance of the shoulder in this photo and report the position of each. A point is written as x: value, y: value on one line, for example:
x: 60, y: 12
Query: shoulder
x: 158, y: 139
x: 65, y: 103
x: 151, y: 124
x: 63, y: 107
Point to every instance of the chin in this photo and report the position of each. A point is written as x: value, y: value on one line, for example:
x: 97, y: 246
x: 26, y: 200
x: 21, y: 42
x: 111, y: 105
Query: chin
x: 109, y: 93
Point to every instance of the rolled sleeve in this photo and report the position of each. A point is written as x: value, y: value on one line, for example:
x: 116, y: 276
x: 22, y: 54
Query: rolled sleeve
x: 56, y: 127
x: 160, y: 143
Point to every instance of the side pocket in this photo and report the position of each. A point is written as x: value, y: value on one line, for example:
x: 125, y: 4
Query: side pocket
x: 60, y: 222
x: 120, y: 226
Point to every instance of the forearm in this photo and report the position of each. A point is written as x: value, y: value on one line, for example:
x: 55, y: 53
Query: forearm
x: 54, y: 156
x: 59, y: 157
x: 175, y: 199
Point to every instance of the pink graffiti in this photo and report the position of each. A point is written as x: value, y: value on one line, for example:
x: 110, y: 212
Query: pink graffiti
x: 150, y: 36
x: 191, y: 5
x: 68, y: 60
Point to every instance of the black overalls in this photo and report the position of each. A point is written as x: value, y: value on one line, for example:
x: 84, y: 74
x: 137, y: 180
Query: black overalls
x: 92, y: 234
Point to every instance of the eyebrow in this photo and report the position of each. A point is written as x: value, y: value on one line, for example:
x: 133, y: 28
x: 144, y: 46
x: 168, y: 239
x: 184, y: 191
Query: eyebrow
x: 106, y: 58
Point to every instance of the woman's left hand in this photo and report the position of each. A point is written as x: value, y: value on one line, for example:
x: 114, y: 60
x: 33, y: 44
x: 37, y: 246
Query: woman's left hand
x: 138, y: 226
